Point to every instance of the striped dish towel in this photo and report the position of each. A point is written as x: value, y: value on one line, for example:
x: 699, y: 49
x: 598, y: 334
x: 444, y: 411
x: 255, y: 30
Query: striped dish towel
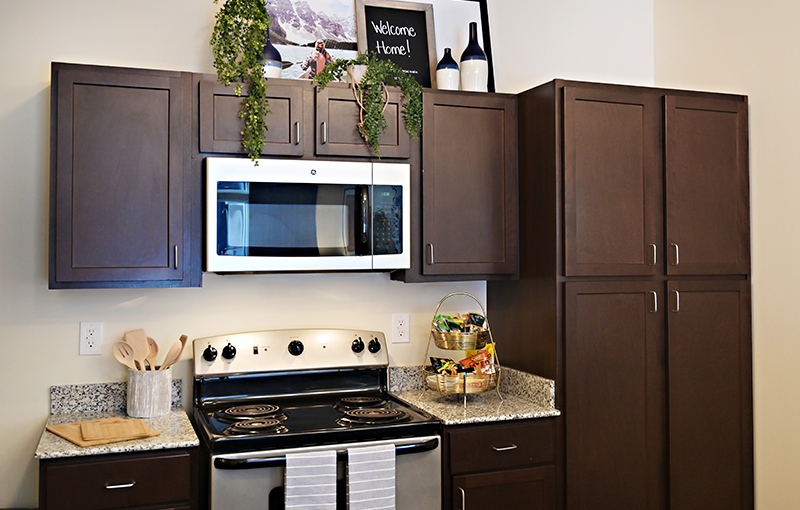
x: 311, y: 481
x: 370, y: 478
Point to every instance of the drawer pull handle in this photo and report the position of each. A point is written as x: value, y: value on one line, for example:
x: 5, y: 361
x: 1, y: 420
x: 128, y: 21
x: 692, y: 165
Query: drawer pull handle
x: 463, y: 499
x: 504, y: 448
x: 121, y: 485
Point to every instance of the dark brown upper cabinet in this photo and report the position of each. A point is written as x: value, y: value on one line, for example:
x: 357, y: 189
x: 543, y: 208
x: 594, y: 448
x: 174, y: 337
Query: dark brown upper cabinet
x: 612, y: 182
x: 221, y: 127
x: 637, y: 160
x: 121, y: 213
x: 707, y: 198
x: 470, y: 212
x: 305, y: 121
x: 337, y: 115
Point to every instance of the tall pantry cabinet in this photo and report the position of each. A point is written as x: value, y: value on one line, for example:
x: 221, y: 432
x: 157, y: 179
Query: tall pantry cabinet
x: 634, y: 292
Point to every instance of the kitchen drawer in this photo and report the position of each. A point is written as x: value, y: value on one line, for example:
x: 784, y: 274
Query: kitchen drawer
x: 502, y: 445
x: 117, y: 481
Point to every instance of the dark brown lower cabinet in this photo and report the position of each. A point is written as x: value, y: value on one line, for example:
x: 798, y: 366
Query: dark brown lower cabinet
x: 710, y: 395
x: 508, y: 464
x: 166, y: 479
x: 529, y: 488
x: 658, y: 396
x: 615, y: 403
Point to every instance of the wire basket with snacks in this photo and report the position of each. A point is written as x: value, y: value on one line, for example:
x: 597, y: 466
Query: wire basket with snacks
x: 479, y: 370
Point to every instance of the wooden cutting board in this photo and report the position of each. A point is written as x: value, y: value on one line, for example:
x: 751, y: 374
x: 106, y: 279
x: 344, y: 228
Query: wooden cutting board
x: 107, y: 430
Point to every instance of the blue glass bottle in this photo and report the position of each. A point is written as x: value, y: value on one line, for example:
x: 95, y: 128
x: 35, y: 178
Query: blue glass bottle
x: 474, y: 65
x: 447, y: 72
x: 272, y: 60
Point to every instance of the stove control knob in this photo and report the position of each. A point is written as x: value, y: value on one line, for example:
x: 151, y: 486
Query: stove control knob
x: 358, y: 345
x: 210, y: 354
x: 374, y: 346
x: 296, y: 347
x: 229, y: 352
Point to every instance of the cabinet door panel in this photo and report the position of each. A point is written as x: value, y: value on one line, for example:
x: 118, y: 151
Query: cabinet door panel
x: 708, y: 219
x: 338, y: 116
x: 118, y: 176
x: 710, y: 396
x: 614, y: 396
x: 469, y: 181
x: 221, y: 128
x: 612, y: 182
x: 531, y: 489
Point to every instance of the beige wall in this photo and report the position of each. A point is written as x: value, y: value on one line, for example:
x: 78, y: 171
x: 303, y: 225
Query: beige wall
x: 39, y: 328
x: 753, y: 48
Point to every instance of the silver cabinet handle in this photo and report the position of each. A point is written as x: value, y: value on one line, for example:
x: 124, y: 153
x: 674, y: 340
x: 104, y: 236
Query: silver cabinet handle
x: 677, y: 254
x: 655, y: 254
x: 121, y: 485
x: 504, y: 448
x: 463, y: 499
x: 430, y: 250
x: 677, y: 301
x: 655, y: 301
x: 297, y: 133
x: 324, y: 133
x: 175, y: 262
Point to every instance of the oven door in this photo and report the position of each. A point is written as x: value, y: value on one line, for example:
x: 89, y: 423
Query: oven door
x: 245, y: 481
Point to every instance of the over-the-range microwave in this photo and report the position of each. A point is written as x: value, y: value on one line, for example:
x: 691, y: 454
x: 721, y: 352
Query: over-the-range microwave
x: 306, y: 215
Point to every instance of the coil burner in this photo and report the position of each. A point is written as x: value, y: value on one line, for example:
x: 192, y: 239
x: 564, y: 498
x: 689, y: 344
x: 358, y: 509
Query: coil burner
x: 352, y: 403
x: 251, y: 412
x: 256, y: 426
x: 372, y: 416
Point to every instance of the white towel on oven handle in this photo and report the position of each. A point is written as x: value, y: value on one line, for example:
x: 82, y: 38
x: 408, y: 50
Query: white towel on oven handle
x: 371, y: 477
x: 311, y: 481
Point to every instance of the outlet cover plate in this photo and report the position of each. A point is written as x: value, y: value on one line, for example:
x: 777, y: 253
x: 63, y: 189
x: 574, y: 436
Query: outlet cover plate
x: 400, y: 328
x: 91, y: 339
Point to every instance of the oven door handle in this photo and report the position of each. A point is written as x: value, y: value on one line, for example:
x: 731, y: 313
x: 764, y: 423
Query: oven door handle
x: 255, y: 463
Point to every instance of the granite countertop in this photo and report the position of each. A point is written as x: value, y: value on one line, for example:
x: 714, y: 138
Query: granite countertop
x: 76, y: 403
x: 175, y: 428
x: 520, y: 396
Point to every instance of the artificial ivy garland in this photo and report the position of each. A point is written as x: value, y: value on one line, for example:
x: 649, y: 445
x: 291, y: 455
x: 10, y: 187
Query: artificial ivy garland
x: 238, y: 41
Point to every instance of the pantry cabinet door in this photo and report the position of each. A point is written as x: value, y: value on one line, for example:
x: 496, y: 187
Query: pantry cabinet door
x: 708, y: 215
x: 612, y: 182
x: 614, y: 396
x: 710, y: 395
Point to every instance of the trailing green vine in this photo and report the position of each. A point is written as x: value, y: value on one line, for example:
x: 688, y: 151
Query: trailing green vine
x: 370, y: 91
x: 238, y: 42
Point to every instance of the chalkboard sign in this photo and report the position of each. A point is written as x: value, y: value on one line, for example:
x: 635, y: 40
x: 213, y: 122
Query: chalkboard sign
x: 402, y: 32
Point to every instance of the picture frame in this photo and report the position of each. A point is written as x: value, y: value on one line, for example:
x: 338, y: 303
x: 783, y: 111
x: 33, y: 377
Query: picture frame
x: 403, y: 32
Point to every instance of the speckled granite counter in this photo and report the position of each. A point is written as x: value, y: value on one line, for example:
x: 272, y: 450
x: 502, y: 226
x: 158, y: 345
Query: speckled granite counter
x: 75, y: 403
x: 521, y: 396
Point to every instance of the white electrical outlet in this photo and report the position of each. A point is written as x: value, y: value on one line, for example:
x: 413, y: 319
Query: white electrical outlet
x: 400, y: 327
x: 91, y: 340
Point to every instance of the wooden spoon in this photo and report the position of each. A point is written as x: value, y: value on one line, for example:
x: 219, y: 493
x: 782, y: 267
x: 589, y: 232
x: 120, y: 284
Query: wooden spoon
x: 151, y: 358
x: 124, y: 354
x: 172, y: 356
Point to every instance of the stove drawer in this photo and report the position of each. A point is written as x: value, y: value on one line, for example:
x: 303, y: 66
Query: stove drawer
x: 159, y: 480
x: 500, y: 445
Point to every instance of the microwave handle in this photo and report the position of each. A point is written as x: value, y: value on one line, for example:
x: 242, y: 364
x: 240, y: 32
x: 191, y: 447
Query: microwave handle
x: 341, y: 455
x: 362, y: 227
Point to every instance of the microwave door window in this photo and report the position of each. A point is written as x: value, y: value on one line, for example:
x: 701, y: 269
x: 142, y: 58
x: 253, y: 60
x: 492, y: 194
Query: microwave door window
x: 283, y: 220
